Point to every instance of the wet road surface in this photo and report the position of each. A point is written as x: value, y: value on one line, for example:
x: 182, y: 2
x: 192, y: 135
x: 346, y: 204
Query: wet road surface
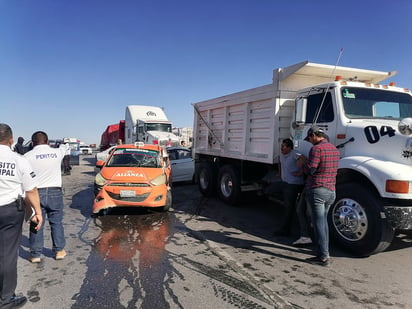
x: 130, y: 259
x: 201, y: 254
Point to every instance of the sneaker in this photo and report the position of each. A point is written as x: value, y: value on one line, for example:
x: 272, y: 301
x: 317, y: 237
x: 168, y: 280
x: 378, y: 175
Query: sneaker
x: 34, y: 259
x: 60, y: 255
x: 14, y: 302
x: 302, y: 241
x: 318, y: 261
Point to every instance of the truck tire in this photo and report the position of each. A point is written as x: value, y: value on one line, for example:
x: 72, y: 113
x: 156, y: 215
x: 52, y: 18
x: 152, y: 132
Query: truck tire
x: 355, y: 221
x: 206, y: 179
x: 229, y: 185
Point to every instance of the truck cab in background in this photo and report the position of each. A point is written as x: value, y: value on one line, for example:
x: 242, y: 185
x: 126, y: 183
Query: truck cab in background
x: 150, y: 125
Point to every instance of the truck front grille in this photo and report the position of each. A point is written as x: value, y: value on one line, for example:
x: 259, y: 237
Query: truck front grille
x: 399, y: 217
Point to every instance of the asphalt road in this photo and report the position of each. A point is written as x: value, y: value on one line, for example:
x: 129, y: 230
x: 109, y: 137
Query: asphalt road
x: 201, y: 254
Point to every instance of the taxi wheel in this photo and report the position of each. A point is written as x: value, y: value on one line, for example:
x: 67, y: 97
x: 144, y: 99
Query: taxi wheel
x: 169, y: 201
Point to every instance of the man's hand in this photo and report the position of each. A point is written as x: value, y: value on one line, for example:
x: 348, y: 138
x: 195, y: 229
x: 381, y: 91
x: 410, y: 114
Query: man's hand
x: 301, y: 161
x: 33, y: 199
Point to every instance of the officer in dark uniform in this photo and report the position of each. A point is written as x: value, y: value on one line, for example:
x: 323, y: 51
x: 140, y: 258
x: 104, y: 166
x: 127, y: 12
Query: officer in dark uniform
x: 17, y: 179
x: 19, y: 145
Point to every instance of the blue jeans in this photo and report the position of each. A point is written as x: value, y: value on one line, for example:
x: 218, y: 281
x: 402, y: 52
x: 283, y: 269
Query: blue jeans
x: 51, y: 201
x: 320, y: 199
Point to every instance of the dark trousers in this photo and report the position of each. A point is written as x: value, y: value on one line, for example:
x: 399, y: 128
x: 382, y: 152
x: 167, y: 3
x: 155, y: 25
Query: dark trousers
x: 303, y: 212
x: 66, y: 163
x: 289, y: 193
x: 11, y: 221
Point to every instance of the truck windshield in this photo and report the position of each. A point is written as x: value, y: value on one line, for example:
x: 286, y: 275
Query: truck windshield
x: 162, y: 127
x: 375, y: 103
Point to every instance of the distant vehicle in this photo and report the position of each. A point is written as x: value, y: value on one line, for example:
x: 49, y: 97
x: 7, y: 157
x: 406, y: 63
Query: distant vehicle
x: 86, y: 150
x: 112, y: 135
x: 103, y: 155
x: 135, y: 175
x: 55, y: 143
x: 183, y: 168
x: 150, y: 125
x: 74, y: 144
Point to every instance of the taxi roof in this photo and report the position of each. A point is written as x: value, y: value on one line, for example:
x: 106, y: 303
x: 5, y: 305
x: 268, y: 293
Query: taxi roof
x: 140, y: 146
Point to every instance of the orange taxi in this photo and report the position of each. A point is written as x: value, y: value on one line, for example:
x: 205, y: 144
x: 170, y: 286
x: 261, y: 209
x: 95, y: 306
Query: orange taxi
x: 134, y: 175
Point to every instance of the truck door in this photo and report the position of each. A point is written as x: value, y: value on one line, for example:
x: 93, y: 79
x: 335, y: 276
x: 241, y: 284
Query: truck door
x: 140, y: 132
x: 320, y: 110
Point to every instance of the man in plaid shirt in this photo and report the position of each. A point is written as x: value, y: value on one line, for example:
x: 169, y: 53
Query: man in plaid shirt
x: 321, y: 168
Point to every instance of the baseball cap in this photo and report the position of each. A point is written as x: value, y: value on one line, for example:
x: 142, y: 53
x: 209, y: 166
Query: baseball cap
x: 314, y: 130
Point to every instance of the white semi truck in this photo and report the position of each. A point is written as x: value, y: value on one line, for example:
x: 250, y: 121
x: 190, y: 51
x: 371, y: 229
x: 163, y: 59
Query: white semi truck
x: 237, y: 138
x: 148, y: 124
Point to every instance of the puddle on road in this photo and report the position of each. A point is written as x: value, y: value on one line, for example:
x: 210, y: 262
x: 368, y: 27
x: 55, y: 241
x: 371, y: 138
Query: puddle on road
x: 129, y: 266
x: 126, y: 262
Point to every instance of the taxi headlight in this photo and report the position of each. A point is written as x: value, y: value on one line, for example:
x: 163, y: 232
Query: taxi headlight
x: 159, y: 180
x: 100, y: 180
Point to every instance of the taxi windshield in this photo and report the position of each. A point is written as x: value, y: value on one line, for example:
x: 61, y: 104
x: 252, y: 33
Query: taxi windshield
x: 134, y: 158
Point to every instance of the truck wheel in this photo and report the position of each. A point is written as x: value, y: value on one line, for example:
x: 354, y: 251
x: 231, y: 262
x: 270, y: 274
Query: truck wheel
x: 206, y: 179
x: 356, y: 223
x: 229, y: 185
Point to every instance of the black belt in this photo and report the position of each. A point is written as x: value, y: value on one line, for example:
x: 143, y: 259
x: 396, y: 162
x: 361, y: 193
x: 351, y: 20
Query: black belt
x: 10, y: 204
x: 50, y: 188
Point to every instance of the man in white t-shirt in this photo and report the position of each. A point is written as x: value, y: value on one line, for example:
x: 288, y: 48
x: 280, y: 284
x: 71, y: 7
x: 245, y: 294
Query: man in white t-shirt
x: 46, y: 162
x: 17, y: 178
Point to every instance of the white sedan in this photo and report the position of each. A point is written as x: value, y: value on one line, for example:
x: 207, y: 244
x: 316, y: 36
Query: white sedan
x: 182, y: 163
x: 103, y: 155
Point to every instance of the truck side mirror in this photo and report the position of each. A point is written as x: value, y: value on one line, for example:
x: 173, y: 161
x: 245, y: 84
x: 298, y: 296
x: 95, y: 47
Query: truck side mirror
x: 300, y: 111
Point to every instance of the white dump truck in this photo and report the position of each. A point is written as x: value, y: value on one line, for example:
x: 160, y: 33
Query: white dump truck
x: 237, y: 138
x: 148, y: 124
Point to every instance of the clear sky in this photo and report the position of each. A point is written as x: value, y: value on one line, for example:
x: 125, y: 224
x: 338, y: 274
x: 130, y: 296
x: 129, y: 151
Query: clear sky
x: 70, y: 67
